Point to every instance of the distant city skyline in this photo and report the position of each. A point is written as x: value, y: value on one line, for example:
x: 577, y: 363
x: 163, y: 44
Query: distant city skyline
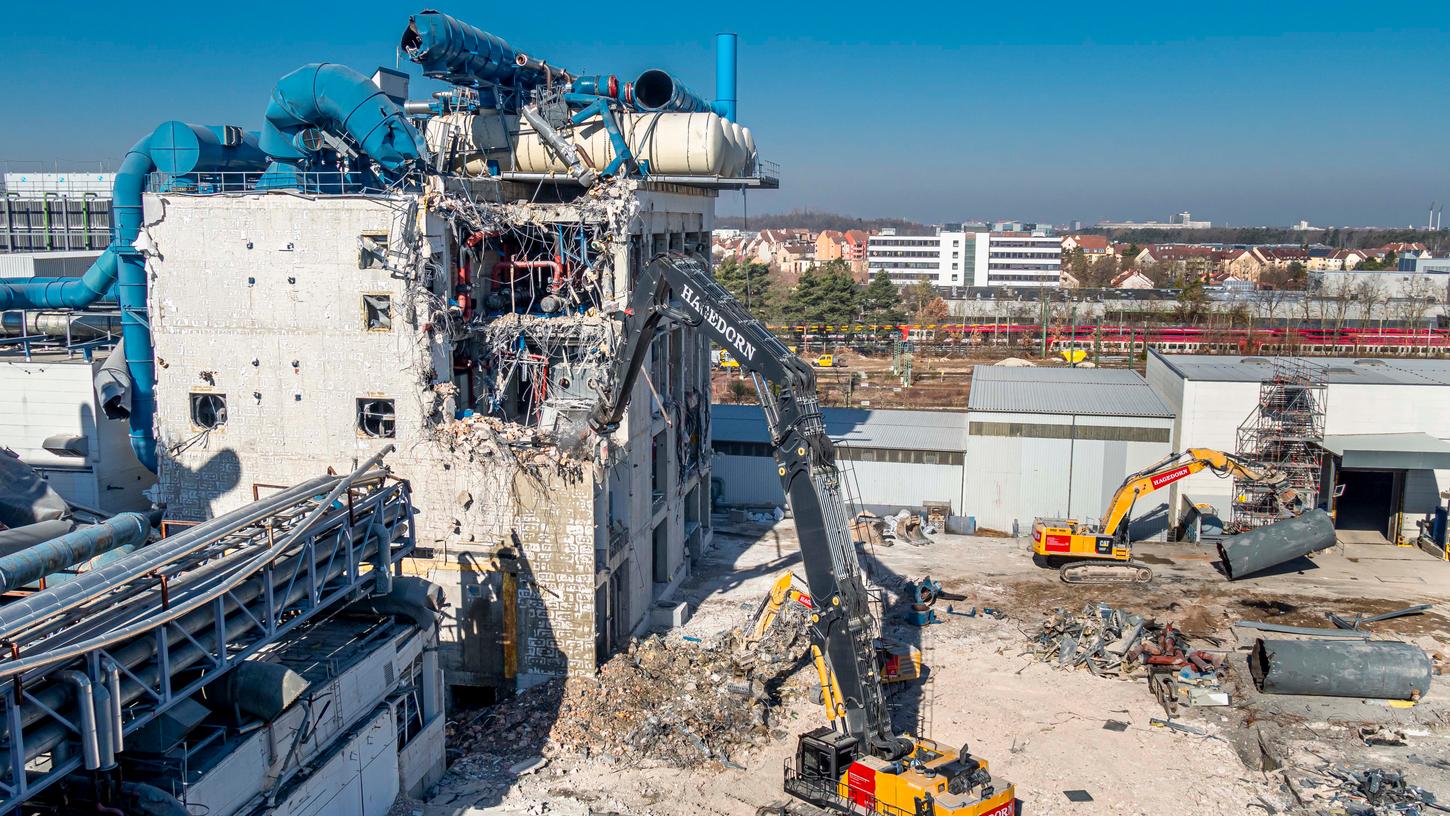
x: 1251, y: 114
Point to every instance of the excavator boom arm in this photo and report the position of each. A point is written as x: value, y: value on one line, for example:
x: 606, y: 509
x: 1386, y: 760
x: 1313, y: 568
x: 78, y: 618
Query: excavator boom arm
x: 678, y: 287
x: 1172, y: 469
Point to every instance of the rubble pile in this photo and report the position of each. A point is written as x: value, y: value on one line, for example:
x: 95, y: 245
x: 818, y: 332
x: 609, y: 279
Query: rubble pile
x: 1367, y: 792
x: 1113, y: 643
x: 677, y: 702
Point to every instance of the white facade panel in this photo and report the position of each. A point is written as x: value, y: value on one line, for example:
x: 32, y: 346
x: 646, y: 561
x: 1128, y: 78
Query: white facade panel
x: 1211, y: 411
x: 1021, y: 477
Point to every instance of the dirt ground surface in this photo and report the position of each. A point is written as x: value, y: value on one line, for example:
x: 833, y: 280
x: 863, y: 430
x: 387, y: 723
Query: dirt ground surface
x: 1040, y: 727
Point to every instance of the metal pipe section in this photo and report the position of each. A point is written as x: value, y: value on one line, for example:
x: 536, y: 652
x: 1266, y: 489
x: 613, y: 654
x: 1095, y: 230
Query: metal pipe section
x: 655, y: 90
x: 725, y: 74
x: 1377, y: 669
x: 1257, y: 550
x: 85, y: 703
x: 17, y: 617
x: 336, y: 99
x: 181, y: 607
x: 79, y: 326
x: 181, y: 148
x: 197, y: 629
x: 33, y: 563
x: 449, y: 49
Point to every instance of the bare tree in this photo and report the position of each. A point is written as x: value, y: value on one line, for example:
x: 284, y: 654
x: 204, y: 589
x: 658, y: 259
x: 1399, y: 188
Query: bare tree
x: 1371, y: 294
x: 1339, y: 295
x: 1420, y: 293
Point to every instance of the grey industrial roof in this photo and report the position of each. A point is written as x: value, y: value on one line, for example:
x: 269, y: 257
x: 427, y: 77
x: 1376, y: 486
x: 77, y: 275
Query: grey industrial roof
x: 1082, y: 391
x: 1338, y: 370
x: 1390, y: 450
x: 894, y: 430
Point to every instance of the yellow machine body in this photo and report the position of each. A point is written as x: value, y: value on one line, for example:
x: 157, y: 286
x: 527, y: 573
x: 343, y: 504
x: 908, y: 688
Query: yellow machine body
x: 874, y: 785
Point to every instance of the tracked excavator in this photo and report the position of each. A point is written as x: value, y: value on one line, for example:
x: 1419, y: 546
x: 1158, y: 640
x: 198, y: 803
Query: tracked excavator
x: 857, y: 763
x: 1103, y: 553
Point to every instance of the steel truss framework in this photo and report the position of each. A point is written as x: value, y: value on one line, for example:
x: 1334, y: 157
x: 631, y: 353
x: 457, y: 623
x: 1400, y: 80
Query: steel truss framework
x: 152, y: 638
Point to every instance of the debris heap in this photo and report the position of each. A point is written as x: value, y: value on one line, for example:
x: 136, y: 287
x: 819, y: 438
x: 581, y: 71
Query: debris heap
x: 1113, y: 643
x: 1370, y: 792
x: 677, y: 702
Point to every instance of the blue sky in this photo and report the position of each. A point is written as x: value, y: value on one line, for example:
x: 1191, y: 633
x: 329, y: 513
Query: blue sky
x: 1243, y: 113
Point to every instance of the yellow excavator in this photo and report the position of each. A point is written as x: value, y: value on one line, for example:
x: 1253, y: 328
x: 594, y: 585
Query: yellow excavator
x: 1102, y: 553
x: 898, y: 662
x: 857, y: 763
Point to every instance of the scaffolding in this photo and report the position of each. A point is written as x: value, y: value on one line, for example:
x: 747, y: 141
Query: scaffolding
x: 1284, y: 432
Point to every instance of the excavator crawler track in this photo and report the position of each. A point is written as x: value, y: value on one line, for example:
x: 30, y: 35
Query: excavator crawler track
x: 1105, y: 572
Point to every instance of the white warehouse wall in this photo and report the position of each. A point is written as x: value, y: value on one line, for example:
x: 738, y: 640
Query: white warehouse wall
x: 1018, y: 478
x: 1210, y: 413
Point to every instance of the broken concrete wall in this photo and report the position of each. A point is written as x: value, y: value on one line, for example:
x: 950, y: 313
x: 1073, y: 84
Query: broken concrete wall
x: 550, y: 558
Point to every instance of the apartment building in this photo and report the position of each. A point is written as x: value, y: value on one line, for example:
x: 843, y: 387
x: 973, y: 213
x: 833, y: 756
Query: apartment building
x: 962, y: 258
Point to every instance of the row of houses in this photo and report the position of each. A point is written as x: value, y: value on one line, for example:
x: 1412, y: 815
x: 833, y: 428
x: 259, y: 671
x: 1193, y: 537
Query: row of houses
x: 955, y: 256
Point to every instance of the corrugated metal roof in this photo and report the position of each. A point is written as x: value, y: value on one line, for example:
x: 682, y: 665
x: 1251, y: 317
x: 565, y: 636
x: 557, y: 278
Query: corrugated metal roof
x: 894, y: 430
x: 1082, y: 391
x: 1337, y: 370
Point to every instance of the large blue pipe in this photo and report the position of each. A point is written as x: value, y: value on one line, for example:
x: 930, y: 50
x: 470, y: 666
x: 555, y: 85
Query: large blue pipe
x: 725, y: 75
x: 175, y: 148
x: 336, y: 99
x: 62, y: 293
x: 33, y: 563
x: 656, y: 90
x: 449, y: 49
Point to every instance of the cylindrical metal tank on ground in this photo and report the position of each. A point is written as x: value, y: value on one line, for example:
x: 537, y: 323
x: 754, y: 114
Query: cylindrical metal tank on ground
x: 1378, y: 669
x: 1257, y: 550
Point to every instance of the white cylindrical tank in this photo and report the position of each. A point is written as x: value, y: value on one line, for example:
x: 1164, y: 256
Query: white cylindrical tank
x: 736, y: 161
x: 471, y: 141
x: 750, y: 156
x: 690, y: 144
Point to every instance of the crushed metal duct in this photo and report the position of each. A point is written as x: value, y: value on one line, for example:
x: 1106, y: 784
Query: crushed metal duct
x: 340, y: 101
x: 113, y: 384
x: 25, y: 498
x: 1378, y: 669
x: 1257, y: 550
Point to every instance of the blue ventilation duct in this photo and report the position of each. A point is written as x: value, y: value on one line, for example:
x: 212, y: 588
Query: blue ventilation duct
x: 175, y: 148
x: 656, y: 90
x: 62, y: 293
x: 725, y: 75
x: 340, y: 101
x: 454, y: 51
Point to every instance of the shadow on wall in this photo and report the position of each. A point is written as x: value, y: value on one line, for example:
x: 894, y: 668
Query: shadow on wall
x: 191, y: 494
x: 506, y: 637
x: 1152, y: 524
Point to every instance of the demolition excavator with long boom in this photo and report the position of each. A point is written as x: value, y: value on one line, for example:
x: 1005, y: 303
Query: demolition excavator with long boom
x: 858, y: 763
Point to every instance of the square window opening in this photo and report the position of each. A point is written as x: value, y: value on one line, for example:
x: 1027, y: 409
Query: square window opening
x: 376, y: 419
x: 378, y: 312
x: 208, y: 411
x: 372, y: 250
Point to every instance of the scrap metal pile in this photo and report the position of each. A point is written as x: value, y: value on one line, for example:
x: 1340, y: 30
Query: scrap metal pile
x: 1365, y: 792
x: 676, y: 702
x: 1113, y: 643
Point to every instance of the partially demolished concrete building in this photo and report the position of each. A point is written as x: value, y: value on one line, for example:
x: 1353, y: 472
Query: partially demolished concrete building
x: 445, y: 276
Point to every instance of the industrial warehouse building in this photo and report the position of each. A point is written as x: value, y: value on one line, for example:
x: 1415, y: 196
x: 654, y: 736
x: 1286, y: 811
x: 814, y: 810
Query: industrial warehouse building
x: 1381, y: 430
x: 1057, y: 442
x: 891, y: 459
x: 1033, y: 442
